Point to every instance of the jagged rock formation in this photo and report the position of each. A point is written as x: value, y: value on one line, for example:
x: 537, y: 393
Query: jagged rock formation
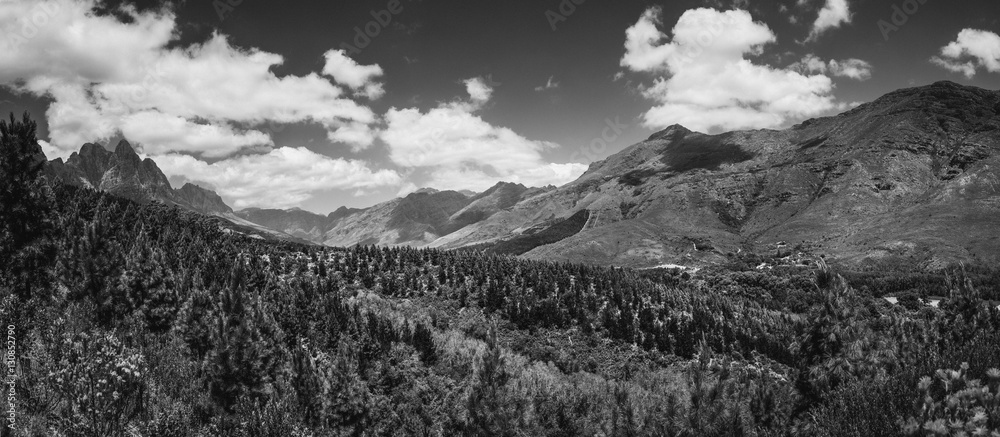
x: 124, y: 174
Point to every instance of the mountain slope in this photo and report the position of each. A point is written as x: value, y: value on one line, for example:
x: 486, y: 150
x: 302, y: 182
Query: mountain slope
x: 124, y: 174
x: 911, y: 174
x: 417, y: 219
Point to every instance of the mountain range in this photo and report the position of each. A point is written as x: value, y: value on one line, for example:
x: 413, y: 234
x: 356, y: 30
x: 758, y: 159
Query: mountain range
x: 912, y: 175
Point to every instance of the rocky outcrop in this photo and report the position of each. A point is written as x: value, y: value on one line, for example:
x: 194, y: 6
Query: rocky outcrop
x: 123, y: 173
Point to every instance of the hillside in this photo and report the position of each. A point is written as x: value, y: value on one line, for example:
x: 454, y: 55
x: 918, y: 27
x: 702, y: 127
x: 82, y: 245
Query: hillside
x: 911, y: 174
x: 140, y: 316
x: 417, y: 219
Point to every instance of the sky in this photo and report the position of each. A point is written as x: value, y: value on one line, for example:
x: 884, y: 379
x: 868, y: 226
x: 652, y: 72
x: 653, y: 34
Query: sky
x: 318, y: 105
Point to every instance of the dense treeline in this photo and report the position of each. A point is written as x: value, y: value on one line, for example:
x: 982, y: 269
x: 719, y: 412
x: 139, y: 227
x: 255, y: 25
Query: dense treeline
x: 136, y: 319
x: 533, y: 238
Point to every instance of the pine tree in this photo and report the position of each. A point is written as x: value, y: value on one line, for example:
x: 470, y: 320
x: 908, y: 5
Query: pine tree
x: 246, y: 351
x: 26, y: 210
x: 487, y: 405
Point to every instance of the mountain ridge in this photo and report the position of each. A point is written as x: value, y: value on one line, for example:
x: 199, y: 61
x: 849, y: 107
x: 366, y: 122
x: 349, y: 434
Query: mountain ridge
x: 122, y: 172
x: 910, y: 174
x: 830, y: 185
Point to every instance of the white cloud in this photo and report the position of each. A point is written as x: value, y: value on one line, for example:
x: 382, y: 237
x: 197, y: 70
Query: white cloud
x: 810, y: 64
x: 549, y: 85
x: 358, y: 135
x: 346, y: 71
x: 159, y: 133
x: 101, y: 71
x: 972, y: 50
x: 53, y: 152
x: 462, y: 151
x: 834, y: 14
x: 856, y: 69
x: 282, y: 178
x: 704, y: 81
x: 699, y: 33
x: 478, y: 90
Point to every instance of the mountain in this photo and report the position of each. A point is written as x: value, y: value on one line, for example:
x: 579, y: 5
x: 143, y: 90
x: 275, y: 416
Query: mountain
x: 124, y: 174
x: 417, y: 219
x: 296, y: 222
x: 911, y: 175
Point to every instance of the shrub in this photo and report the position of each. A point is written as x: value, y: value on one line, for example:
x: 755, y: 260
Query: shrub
x: 955, y: 405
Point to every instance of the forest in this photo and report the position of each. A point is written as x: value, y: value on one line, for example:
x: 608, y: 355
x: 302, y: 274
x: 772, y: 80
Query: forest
x: 134, y: 319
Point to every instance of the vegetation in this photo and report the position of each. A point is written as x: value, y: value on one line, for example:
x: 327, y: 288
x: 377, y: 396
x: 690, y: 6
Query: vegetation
x: 522, y: 244
x: 148, y: 320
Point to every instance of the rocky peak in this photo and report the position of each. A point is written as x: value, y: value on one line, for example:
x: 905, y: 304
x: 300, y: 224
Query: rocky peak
x: 202, y: 200
x: 342, y: 212
x: 671, y: 132
x: 91, y: 150
x: 125, y: 151
x: 123, y: 173
x: 502, y: 187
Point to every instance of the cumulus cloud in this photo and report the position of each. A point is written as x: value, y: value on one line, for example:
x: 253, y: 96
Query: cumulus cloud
x: 105, y: 75
x: 463, y: 151
x: 834, y: 14
x: 159, y: 133
x: 973, y: 50
x: 479, y: 91
x: 281, y: 178
x: 810, y: 64
x: 703, y: 79
x: 53, y: 152
x: 852, y: 68
x: 856, y: 69
x: 346, y: 71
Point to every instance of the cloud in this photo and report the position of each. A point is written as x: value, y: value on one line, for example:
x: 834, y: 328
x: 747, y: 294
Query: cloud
x: 972, y: 50
x: 479, y: 91
x: 549, y: 85
x: 809, y: 64
x: 346, y: 71
x: 462, y: 151
x: 856, y: 69
x: 159, y: 133
x: 703, y: 80
x: 281, y: 178
x: 834, y: 14
x: 101, y: 73
x: 53, y: 152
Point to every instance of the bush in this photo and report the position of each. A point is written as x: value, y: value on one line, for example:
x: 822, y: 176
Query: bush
x: 955, y: 405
